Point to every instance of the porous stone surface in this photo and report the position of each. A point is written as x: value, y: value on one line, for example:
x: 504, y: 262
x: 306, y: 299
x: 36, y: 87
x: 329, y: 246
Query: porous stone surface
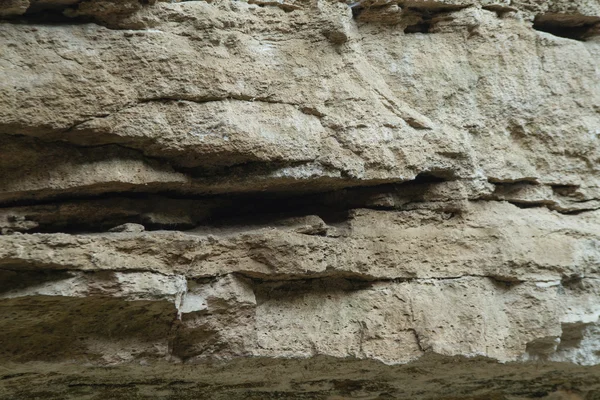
x: 293, y: 199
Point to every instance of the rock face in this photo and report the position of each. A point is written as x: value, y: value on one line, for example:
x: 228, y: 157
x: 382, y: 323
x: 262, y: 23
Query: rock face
x: 299, y: 199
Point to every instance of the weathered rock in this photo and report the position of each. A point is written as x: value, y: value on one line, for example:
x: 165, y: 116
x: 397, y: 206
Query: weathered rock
x: 300, y: 199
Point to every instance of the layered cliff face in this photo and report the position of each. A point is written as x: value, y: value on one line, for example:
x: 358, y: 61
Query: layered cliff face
x: 300, y: 199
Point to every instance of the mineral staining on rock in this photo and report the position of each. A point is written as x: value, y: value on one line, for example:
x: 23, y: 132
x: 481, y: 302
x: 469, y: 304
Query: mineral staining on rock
x: 294, y: 199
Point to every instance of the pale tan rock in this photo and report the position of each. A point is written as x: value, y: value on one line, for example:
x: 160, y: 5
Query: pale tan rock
x: 128, y: 227
x: 300, y: 199
x: 495, y: 240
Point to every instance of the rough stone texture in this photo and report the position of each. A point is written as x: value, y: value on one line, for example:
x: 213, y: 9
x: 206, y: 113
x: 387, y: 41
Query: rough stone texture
x: 381, y: 199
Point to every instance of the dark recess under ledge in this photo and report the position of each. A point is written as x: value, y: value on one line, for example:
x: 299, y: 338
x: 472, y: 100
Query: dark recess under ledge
x: 177, y: 211
x: 570, y: 26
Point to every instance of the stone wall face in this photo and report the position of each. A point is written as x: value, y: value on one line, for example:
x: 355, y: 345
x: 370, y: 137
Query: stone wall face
x: 300, y: 199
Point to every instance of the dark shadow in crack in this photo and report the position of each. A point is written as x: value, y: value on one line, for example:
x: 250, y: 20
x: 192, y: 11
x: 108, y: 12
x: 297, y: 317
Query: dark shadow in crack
x: 576, y: 27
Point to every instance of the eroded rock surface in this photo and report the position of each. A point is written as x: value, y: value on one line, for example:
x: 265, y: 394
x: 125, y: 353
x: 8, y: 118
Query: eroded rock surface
x: 381, y: 199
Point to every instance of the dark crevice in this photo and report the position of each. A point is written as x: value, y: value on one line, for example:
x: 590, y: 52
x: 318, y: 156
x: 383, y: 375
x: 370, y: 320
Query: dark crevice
x: 526, y: 205
x: 351, y: 281
x: 573, y: 281
x: 428, y: 14
x: 356, y: 9
x: 575, y: 33
x: 48, y: 17
x: 431, y: 8
x: 116, y: 15
x: 13, y: 280
x: 178, y: 211
x: 530, y: 180
x: 434, y: 177
x: 70, y: 13
x: 270, y: 288
x: 422, y: 27
x: 570, y: 26
x: 175, y: 210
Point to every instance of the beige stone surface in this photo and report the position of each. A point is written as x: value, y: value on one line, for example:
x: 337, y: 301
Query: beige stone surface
x: 300, y: 199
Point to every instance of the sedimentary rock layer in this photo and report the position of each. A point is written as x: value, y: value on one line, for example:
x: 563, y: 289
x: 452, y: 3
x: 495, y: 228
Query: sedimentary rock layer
x: 299, y: 199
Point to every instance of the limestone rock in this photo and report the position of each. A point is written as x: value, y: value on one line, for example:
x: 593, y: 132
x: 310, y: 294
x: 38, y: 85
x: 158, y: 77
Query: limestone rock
x: 128, y: 228
x: 381, y: 199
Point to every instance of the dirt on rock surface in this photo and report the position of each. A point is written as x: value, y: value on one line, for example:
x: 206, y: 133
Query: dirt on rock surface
x: 295, y: 199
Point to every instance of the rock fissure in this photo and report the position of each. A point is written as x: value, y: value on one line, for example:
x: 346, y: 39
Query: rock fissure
x: 181, y: 211
x: 577, y: 27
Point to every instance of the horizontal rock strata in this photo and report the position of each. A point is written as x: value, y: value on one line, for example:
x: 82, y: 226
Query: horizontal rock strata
x: 381, y: 199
